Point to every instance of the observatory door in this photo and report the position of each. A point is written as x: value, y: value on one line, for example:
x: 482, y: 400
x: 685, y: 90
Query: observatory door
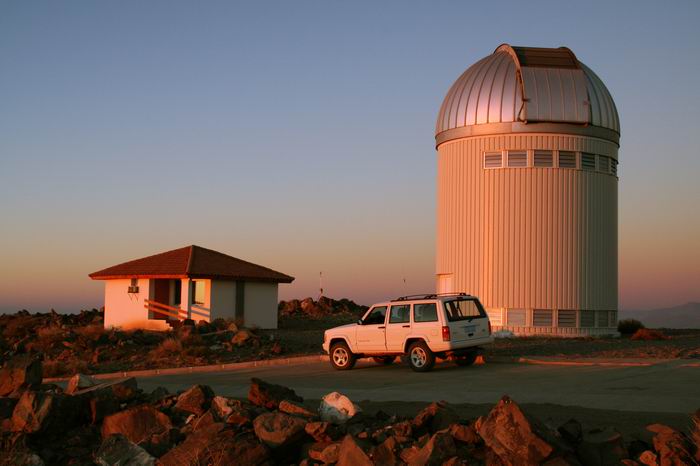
x: 445, y: 283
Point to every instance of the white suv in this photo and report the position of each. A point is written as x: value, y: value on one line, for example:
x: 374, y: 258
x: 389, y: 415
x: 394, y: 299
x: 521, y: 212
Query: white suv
x: 421, y: 327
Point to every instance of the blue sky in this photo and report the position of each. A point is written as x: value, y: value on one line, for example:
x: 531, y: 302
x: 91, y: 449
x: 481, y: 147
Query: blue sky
x: 299, y: 135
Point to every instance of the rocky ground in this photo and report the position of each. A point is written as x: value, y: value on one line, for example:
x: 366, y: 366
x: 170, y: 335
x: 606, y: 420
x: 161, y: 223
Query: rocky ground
x: 71, y: 343
x: 114, y: 422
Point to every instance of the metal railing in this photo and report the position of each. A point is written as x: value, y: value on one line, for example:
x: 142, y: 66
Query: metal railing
x: 176, y: 312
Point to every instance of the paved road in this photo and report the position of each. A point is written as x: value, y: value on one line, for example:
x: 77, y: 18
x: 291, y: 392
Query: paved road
x: 666, y: 387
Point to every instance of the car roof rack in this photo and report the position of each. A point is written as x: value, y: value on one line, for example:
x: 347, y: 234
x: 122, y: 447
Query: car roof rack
x: 427, y: 296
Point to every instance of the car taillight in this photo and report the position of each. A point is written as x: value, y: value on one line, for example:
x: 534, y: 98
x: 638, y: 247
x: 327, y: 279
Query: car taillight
x: 489, y: 327
x: 445, y: 333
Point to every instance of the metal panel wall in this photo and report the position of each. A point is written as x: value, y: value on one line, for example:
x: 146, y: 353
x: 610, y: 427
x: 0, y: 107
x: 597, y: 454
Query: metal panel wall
x: 531, y: 238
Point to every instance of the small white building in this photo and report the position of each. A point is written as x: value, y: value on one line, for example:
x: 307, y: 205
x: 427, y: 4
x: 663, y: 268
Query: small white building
x: 189, y: 283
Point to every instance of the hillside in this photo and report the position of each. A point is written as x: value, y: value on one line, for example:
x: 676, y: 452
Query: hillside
x: 683, y: 316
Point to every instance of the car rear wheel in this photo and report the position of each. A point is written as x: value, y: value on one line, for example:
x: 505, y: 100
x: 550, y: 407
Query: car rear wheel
x: 386, y: 360
x: 342, y: 358
x: 420, y: 358
x: 467, y: 359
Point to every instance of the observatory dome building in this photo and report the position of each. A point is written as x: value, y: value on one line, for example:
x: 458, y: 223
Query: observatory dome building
x: 527, y: 142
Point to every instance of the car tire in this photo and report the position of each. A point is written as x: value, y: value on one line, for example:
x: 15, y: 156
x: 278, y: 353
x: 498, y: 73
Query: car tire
x: 420, y: 358
x: 386, y: 360
x: 466, y: 360
x: 341, y: 357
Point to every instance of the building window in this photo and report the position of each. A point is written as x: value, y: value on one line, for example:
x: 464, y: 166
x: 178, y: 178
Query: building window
x: 400, y: 314
x: 588, y: 161
x: 566, y: 318
x: 425, y: 312
x: 493, y: 160
x: 516, y: 317
x: 542, y: 318
x: 603, y: 164
x: 543, y: 158
x: 613, y: 167
x: 517, y: 159
x: 134, y: 286
x: 567, y: 159
x: 613, y: 319
x: 198, y: 294
x: 495, y: 316
x: 588, y: 319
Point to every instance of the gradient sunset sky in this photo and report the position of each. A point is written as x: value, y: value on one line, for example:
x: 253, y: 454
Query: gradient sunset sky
x: 299, y: 135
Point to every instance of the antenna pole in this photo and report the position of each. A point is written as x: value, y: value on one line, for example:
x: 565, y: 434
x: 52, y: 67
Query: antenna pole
x: 320, y: 285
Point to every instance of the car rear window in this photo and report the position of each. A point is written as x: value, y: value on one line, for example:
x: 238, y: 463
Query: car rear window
x: 462, y: 309
x: 425, y: 312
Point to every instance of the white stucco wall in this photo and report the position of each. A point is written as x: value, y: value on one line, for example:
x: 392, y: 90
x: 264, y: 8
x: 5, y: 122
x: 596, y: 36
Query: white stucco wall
x: 126, y: 310
x: 223, y: 299
x: 261, y: 305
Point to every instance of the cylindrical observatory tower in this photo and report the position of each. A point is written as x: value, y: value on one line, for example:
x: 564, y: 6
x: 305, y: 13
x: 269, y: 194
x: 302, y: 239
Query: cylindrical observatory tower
x: 527, y: 142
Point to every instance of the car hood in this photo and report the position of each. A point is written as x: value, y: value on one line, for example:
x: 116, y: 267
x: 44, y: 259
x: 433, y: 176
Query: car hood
x: 341, y: 328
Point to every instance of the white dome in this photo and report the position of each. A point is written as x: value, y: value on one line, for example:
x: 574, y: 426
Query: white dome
x: 526, y: 85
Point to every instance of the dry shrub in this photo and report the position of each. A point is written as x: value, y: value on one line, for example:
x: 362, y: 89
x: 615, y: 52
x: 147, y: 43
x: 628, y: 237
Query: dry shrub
x: 629, y: 326
x: 168, y: 347
x: 91, y: 332
x: 647, y: 334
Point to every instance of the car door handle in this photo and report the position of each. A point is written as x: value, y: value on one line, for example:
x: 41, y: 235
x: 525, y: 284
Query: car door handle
x: 406, y: 326
x: 381, y: 327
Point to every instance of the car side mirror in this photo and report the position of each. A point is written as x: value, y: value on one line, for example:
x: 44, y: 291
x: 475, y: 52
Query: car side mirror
x: 359, y: 321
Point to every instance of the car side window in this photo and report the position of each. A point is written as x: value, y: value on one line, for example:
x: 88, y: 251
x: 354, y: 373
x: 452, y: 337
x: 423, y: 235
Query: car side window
x: 400, y: 314
x: 376, y: 316
x: 425, y: 312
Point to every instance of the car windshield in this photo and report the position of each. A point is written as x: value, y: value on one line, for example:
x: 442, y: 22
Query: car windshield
x: 462, y: 309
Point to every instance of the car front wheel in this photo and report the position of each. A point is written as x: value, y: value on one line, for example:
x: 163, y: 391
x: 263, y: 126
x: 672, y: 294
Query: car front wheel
x: 342, y: 358
x: 420, y: 358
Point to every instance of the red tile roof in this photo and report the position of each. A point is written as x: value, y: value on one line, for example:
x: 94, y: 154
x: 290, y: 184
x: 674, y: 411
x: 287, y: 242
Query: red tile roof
x: 193, y: 262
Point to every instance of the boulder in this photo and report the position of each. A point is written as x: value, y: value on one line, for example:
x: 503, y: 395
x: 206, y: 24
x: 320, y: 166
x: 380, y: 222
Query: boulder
x: 325, y: 452
x: 386, y: 453
x: 601, y: 447
x: 278, y: 430
x: 118, y: 450
x: 464, y: 433
x: 648, y: 458
x: 217, y: 445
x: 322, y: 431
x: 269, y: 395
x: 20, y: 372
x: 434, y: 417
x: 672, y: 446
x: 223, y: 406
x: 80, y: 382
x: 44, y: 411
x: 438, y: 449
x: 351, y: 454
x: 243, y: 336
x: 337, y: 408
x: 296, y: 409
x: 101, y: 405
x: 7, y: 406
x: 195, y: 401
x: 143, y: 425
x: 514, y: 437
